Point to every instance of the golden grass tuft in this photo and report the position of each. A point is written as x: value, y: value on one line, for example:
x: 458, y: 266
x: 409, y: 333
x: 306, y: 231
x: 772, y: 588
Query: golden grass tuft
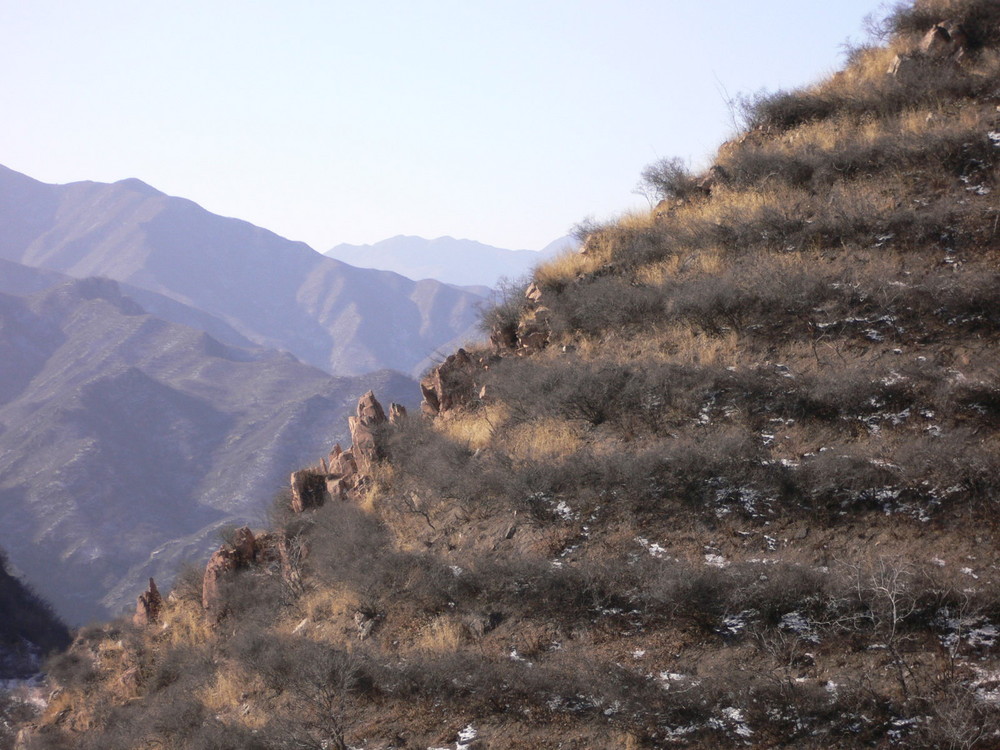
x: 184, y: 623
x: 571, y: 265
x: 441, y: 635
x: 474, y: 429
x: 544, y: 439
x: 230, y: 694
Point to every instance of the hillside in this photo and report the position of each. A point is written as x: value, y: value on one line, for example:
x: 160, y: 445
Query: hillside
x: 453, y: 261
x: 274, y: 292
x: 727, y: 477
x: 127, y: 442
x: 28, y: 630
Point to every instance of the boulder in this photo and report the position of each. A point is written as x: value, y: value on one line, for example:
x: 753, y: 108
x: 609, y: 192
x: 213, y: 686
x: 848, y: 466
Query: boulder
x: 944, y: 40
x: 148, y: 607
x: 308, y: 489
x: 451, y: 384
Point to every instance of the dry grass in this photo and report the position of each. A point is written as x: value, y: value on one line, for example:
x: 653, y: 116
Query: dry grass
x: 474, y: 429
x: 543, y: 439
x: 570, y: 265
x: 442, y: 635
x: 230, y: 695
x: 184, y: 623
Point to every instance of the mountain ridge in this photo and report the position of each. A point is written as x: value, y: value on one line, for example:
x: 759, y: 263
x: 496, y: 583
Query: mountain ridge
x: 274, y: 292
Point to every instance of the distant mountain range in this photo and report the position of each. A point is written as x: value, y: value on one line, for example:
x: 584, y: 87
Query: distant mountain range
x: 180, y: 261
x: 462, y: 262
x: 127, y: 441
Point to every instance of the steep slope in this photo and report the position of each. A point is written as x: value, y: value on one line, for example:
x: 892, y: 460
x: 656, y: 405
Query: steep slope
x: 277, y: 293
x: 126, y: 442
x: 727, y: 478
x: 461, y: 262
x: 28, y: 630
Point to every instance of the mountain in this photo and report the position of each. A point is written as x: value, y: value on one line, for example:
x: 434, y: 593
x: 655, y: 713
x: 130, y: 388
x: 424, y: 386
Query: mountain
x: 461, y: 262
x: 728, y: 477
x: 28, y: 630
x: 269, y: 290
x: 127, y: 442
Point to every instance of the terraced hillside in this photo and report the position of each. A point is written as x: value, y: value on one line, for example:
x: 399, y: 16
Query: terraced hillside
x: 727, y: 477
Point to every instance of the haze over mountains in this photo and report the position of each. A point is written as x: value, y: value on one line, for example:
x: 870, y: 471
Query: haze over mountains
x: 144, y: 403
x: 127, y: 441
x: 453, y: 261
x: 272, y: 291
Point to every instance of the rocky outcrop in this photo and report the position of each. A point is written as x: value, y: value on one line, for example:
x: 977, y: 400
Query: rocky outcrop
x: 448, y: 385
x: 945, y: 41
x: 346, y: 471
x: 532, y: 332
x: 148, y: 607
x: 365, y: 437
x: 308, y: 489
x: 244, y: 551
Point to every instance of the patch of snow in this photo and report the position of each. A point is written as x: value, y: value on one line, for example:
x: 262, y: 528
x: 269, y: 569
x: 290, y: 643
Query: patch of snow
x: 465, y: 737
x: 735, y: 625
x: 798, y: 624
x: 653, y: 548
x: 715, y: 560
x: 565, y: 512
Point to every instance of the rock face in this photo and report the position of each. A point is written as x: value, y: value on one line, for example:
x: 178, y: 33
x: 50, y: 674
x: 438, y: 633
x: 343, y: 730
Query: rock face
x: 244, y: 551
x: 397, y: 413
x: 148, y: 607
x: 364, y: 432
x: 308, y: 489
x: 448, y: 385
x: 943, y: 41
x: 344, y: 472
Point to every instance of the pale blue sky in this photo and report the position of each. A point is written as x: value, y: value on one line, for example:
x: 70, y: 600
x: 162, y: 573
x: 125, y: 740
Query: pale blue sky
x: 328, y: 122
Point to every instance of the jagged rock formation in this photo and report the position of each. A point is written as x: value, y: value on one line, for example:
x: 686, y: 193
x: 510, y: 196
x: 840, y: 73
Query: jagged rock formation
x: 345, y: 472
x: 148, y: 606
x: 244, y: 551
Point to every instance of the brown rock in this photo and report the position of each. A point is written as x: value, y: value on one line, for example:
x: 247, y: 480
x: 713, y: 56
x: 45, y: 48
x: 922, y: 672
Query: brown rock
x: 148, y: 607
x: 228, y: 558
x: 451, y: 384
x: 945, y: 40
x: 533, y: 330
x: 397, y: 413
x: 308, y: 489
x: 533, y: 294
x: 715, y: 177
x: 365, y: 433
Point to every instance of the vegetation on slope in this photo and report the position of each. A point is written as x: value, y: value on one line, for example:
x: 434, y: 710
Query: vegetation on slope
x: 745, y: 493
